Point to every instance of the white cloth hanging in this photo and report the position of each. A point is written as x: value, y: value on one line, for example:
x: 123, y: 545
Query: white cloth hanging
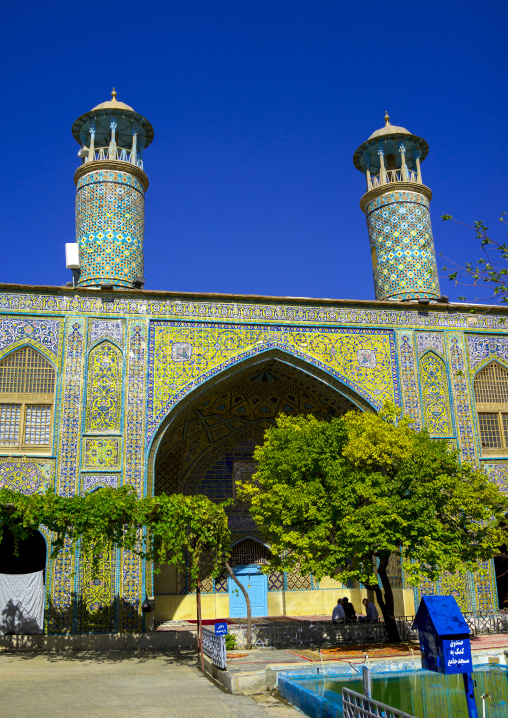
x: 22, y: 602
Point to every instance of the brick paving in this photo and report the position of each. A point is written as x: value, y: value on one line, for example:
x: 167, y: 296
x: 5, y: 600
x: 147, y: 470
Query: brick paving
x: 120, y: 684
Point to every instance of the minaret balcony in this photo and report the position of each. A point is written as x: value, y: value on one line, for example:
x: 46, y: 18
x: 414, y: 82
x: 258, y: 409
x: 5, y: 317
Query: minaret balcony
x: 119, y: 154
x: 390, y: 176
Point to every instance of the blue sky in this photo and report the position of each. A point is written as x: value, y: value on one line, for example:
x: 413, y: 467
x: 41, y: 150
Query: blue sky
x: 257, y: 110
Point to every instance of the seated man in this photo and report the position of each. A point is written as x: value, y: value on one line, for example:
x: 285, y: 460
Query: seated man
x: 371, y: 611
x: 338, y: 615
x: 349, y: 610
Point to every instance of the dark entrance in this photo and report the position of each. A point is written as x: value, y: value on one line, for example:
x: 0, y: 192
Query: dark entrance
x: 31, y: 554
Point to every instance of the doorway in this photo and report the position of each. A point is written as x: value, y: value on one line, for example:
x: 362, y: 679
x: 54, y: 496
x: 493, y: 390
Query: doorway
x: 256, y: 584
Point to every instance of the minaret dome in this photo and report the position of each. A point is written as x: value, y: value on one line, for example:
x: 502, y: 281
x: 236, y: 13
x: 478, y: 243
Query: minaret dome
x: 110, y: 188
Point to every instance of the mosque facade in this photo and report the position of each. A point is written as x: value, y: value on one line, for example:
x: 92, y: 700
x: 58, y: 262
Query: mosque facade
x: 104, y: 383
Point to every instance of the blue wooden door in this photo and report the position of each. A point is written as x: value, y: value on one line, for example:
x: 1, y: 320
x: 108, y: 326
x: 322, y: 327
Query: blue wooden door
x: 256, y: 584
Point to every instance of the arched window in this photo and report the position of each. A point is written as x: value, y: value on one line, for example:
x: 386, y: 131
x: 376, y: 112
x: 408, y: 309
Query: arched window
x: 491, y: 394
x: 27, y: 392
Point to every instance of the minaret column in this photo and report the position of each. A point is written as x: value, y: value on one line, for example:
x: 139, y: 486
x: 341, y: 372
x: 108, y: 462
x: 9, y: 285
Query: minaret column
x: 396, y: 207
x: 110, y: 195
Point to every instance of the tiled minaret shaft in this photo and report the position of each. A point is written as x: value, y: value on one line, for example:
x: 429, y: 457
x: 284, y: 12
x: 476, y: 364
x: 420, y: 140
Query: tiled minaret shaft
x: 110, y: 194
x: 396, y: 207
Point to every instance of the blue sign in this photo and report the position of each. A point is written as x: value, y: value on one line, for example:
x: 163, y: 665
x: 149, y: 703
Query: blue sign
x: 221, y: 629
x: 444, y: 635
x: 457, y: 655
x: 444, y: 642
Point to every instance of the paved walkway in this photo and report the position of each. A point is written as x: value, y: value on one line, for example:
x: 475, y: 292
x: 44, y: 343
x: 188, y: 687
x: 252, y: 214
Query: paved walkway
x: 120, y: 684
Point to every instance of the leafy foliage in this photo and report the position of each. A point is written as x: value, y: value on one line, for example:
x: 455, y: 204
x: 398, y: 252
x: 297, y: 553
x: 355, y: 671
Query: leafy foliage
x: 339, y: 497
x: 174, y: 529
x: 230, y: 641
x: 491, y: 270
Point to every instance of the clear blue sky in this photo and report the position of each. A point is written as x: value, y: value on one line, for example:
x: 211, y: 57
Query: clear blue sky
x: 257, y: 108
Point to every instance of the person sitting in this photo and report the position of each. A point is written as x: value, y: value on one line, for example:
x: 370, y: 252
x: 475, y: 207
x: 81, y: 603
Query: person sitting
x: 371, y: 611
x: 338, y: 615
x: 349, y: 610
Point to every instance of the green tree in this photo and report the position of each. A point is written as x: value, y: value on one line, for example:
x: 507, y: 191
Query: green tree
x: 490, y: 271
x: 340, y: 497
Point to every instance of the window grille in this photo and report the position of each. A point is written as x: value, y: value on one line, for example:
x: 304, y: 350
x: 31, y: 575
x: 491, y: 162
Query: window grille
x: 26, y: 372
x: 37, y: 424
x: 491, y: 385
x: 9, y: 423
x: 27, y: 381
x: 491, y: 394
x: 489, y: 430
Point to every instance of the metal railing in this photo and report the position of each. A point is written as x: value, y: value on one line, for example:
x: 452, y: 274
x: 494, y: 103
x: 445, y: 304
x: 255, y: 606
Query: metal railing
x: 215, y: 648
x: 304, y: 634
x: 121, y: 154
x: 389, y: 176
x: 356, y: 705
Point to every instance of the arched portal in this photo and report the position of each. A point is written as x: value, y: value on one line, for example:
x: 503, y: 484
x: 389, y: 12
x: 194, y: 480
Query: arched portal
x: 22, y: 580
x: 207, y: 446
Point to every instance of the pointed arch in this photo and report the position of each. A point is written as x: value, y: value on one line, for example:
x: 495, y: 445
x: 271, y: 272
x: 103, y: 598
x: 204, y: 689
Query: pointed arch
x: 290, y: 355
x: 491, y: 398
x: 255, y: 363
x: 104, y: 388
x: 435, y: 395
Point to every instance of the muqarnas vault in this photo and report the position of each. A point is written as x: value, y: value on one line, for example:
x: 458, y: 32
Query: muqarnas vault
x: 105, y: 383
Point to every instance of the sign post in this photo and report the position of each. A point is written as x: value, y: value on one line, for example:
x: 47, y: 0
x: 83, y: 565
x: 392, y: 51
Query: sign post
x: 367, y: 682
x: 221, y: 628
x: 445, y: 643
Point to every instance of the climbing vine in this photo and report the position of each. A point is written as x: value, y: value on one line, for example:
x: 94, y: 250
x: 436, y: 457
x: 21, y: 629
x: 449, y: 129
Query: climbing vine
x: 174, y: 529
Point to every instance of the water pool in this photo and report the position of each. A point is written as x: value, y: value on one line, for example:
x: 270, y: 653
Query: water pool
x: 420, y: 693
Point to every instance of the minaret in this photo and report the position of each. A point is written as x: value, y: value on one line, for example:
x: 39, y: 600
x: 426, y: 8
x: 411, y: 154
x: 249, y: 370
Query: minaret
x: 396, y: 205
x: 110, y: 194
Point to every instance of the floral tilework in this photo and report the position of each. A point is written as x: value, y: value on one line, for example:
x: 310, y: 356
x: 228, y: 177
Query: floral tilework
x: 89, y: 482
x: 97, y: 593
x: 42, y: 332
x: 131, y: 592
x: 435, y: 395
x: 430, y: 340
x: 135, y: 406
x: 364, y: 360
x: 402, y: 247
x: 483, y: 587
x: 132, y: 565
x: 106, y: 329
x: 27, y: 476
x: 498, y: 472
x: 104, y: 393
x: 462, y: 399
x: 409, y: 377
x: 101, y: 453
x: 110, y: 227
x: 484, y: 347
x: 62, y: 585
x: 243, y: 311
x: 71, y: 409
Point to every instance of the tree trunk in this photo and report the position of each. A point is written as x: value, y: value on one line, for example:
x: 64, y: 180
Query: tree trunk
x: 247, y: 601
x: 386, y: 603
x: 200, y: 626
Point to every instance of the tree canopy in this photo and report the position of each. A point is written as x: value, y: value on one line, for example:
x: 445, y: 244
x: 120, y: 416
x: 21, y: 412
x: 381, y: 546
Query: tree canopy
x: 490, y: 271
x: 340, y: 497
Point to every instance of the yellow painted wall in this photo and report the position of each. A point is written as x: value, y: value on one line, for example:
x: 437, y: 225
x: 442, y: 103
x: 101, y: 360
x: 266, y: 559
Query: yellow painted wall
x: 319, y: 602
